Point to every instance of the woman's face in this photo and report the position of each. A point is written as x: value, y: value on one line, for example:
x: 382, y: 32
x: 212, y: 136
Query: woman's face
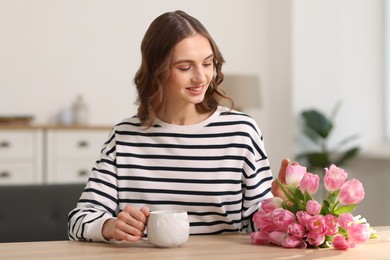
x: 191, y: 72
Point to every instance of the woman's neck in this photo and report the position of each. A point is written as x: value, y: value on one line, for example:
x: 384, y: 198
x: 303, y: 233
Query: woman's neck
x: 184, y: 116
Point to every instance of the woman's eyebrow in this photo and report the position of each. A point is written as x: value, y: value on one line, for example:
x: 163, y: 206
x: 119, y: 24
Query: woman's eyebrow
x: 189, y: 61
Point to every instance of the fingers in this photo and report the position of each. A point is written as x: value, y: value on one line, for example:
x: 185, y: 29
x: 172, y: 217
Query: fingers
x: 146, y: 211
x: 275, y: 188
x: 282, y: 171
x: 131, y: 223
x: 126, y: 232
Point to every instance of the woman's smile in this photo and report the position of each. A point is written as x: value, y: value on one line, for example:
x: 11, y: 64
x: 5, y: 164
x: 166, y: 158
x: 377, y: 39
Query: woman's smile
x: 196, y: 89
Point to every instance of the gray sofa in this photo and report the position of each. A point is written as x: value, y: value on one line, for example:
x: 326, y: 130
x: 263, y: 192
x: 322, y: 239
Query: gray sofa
x: 36, y: 212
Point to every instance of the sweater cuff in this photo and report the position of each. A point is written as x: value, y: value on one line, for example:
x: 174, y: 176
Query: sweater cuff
x: 95, y: 232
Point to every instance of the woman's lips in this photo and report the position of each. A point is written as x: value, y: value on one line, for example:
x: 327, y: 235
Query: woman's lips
x: 195, y: 89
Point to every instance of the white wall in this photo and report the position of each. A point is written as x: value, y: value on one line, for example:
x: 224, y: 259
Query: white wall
x: 279, y: 84
x: 51, y: 50
x: 337, y: 55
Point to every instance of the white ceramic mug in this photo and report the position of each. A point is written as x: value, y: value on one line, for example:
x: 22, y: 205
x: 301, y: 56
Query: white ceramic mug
x: 168, y: 228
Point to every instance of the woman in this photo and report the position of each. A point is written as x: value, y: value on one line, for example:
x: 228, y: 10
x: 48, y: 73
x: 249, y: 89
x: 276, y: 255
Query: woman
x: 182, y: 151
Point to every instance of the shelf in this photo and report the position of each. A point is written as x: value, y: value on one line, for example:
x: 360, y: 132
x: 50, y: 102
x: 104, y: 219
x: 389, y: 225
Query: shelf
x: 56, y: 127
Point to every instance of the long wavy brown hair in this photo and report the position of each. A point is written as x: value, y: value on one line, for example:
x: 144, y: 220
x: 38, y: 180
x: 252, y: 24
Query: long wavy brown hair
x: 156, y: 49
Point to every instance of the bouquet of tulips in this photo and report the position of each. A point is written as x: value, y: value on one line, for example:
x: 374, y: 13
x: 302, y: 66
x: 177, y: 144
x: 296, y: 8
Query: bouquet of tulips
x: 299, y: 221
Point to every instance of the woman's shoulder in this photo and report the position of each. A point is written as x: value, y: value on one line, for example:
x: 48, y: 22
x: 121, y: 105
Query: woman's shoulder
x: 232, y: 112
x: 234, y: 115
x: 237, y: 118
x: 129, y: 123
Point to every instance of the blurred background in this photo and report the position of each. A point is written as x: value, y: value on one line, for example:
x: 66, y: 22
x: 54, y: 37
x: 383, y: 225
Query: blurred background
x: 304, y: 54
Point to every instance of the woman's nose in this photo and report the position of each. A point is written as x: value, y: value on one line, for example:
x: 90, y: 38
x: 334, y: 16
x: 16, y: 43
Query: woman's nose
x: 199, y: 76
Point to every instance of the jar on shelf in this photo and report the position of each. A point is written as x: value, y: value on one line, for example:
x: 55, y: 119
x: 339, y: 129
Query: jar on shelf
x: 80, y: 111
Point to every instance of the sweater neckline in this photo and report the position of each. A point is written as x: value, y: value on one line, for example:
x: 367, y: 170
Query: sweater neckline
x: 199, y: 125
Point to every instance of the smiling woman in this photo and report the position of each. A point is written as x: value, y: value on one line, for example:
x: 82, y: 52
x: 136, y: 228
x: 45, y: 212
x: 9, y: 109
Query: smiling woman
x: 182, y: 151
x: 179, y: 54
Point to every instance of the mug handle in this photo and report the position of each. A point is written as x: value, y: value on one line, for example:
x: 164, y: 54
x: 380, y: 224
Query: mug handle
x: 145, y: 241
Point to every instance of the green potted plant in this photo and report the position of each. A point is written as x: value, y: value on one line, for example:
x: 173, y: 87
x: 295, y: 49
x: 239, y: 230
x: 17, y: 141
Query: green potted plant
x: 318, y: 128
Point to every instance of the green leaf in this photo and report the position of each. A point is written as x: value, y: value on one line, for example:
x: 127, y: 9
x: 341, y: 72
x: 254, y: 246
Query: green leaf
x: 317, y: 160
x: 307, y: 197
x: 342, y: 231
x: 345, y: 209
x: 286, y: 206
x: 343, y: 142
x: 332, y: 197
x: 312, y: 135
x: 316, y: 121
x: 288, y: 196
x: 298, y: 194
x: 326, y: 203
x: 335, y: 110
x: 326, y: 244
x: 317, y: 128
x: 347, y: 155
x: 325, y: 209
x: 374, y: 235
x: 295, y: 208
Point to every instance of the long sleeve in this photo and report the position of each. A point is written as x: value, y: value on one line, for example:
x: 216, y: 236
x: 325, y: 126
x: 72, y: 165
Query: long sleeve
x: 99, y: 200
x: 257, y: 179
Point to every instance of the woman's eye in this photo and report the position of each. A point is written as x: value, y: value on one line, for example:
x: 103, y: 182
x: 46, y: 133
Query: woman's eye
x: 207, y: 64
x: 184, y: 68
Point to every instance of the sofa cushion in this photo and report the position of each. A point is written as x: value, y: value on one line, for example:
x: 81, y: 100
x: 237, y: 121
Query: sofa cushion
x: 36, y: 212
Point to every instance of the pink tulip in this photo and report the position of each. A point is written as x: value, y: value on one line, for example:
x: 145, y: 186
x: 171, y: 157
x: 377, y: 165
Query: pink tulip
x: 346, y: 220
x: 313, y: 207
x: 334, y: 178
x: 293, y: 242
x: 296, y: 230
x: 340, y: 243
x: 310, y: 183
x: 358, y: 233
x: 331, y: 223
x: 352, y: 192
x: 271, y: 204
x: 263, y: 222
x: 317, y: 225
x: 315, y: 239
x: 277, y: 237
x: 308, y: 227
x: 294, y: 174
x: 260, y: 237
x: 282, y: 218
x: 303, y: 218
x: 283, y: 239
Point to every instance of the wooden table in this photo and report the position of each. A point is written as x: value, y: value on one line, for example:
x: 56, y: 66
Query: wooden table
x: 216, y: 247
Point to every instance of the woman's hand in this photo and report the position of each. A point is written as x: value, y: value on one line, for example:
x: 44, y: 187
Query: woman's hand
x: 275, y: 189
x: 129, y: 225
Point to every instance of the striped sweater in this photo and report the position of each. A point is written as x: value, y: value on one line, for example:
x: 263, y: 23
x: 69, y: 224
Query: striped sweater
x: 216, y: 170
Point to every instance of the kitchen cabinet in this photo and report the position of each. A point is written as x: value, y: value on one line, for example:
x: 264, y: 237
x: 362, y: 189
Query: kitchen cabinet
x: 71, y: 153
x: 49, y: 154
x: 20, y: 156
